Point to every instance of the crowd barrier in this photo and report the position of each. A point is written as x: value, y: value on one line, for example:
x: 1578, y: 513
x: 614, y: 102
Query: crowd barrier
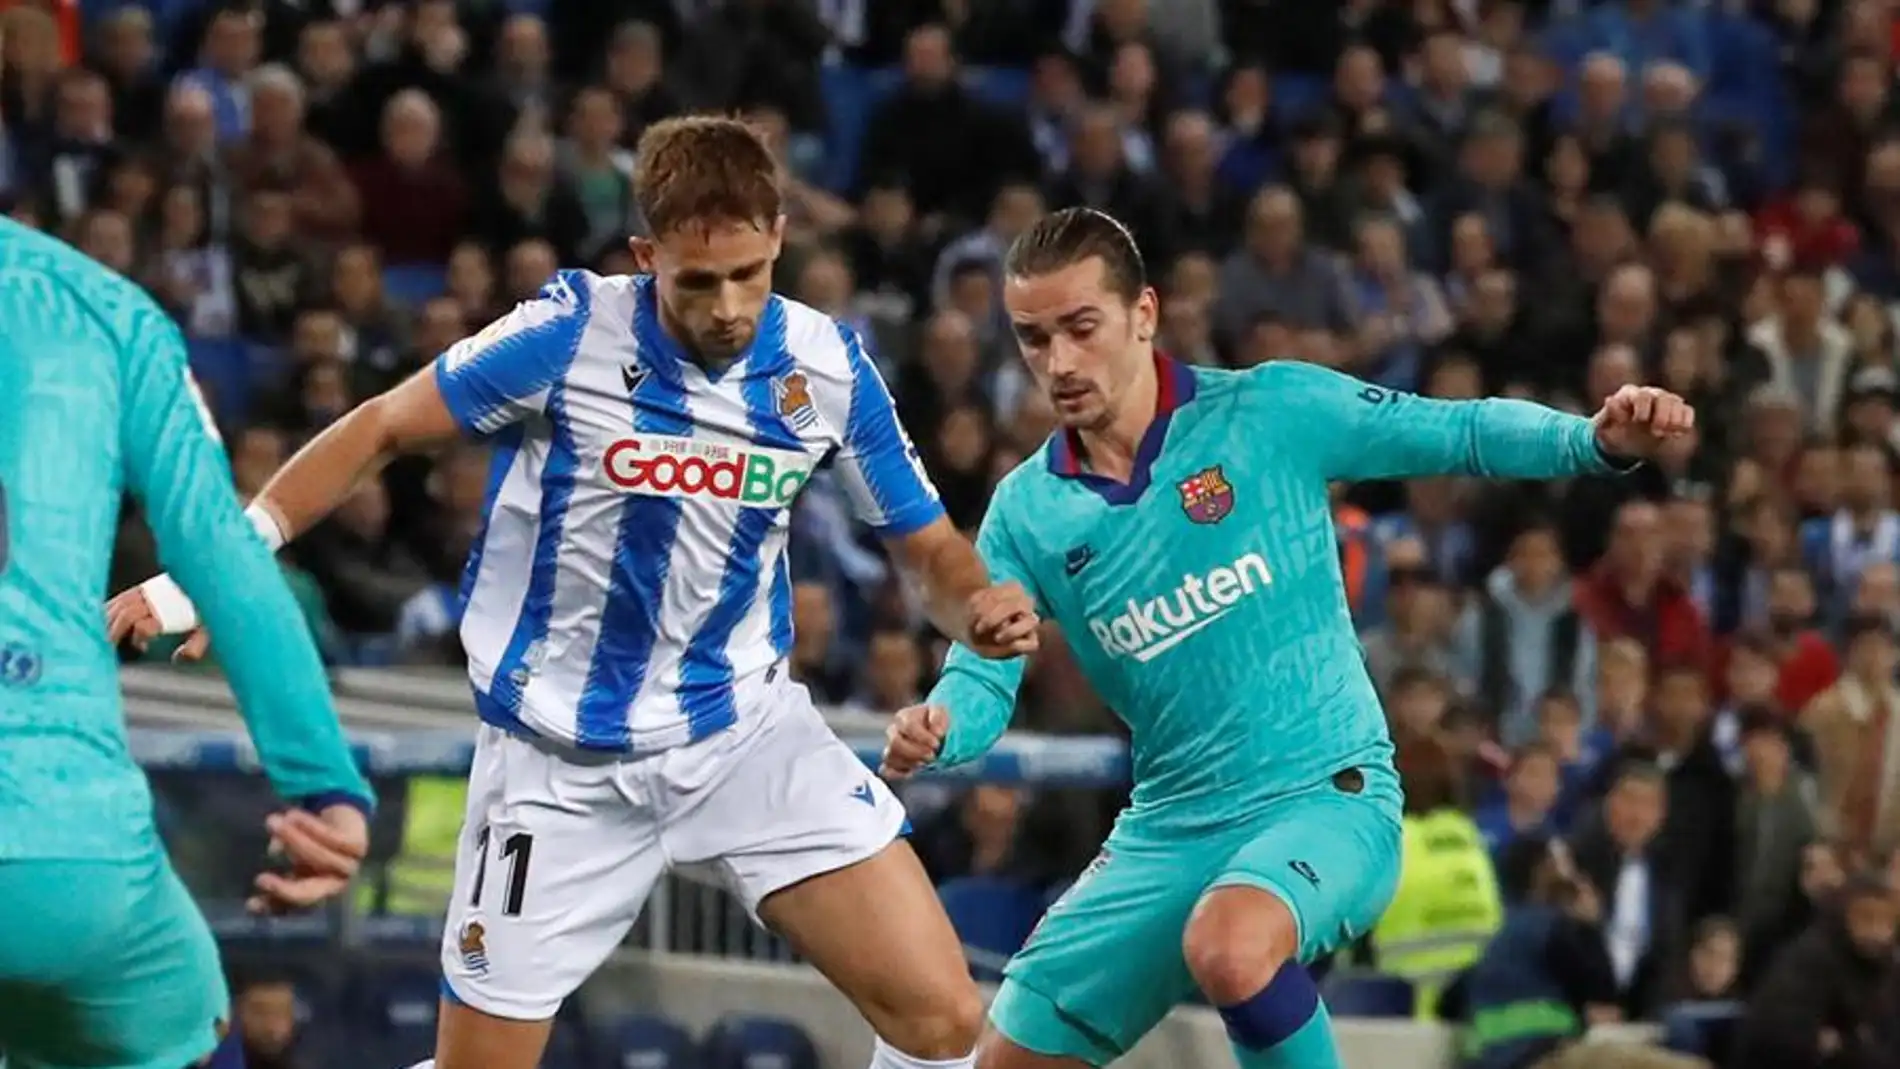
x: 401, y: 724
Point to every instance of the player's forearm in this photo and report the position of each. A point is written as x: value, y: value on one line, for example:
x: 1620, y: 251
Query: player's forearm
x: 326, y: 471
x: 948, y: 568
x: 980, y: 696
x: 1524, y: 440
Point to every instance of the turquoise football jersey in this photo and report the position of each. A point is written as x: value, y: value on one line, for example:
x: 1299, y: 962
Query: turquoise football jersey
x: 1203, y: 599
x: 95, y: 399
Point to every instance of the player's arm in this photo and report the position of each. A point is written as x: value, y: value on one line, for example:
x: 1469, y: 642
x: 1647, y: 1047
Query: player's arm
x: 478, y: 386
x: 884, y: 477
x: 1359, y: 431
x: 173, y: 465
x: 971, y: 705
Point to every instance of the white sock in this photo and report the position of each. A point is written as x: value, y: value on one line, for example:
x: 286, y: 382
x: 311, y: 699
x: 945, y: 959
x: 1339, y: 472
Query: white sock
x: 889, y: 1057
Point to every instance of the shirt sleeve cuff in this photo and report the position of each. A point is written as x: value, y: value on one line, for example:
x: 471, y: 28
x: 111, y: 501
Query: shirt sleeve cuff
x: 317, y: 803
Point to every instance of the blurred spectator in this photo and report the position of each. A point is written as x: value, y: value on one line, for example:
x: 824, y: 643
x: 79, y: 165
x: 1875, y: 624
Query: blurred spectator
x: 1520, y: 635
x: 1856, y: 733
x: 278, y: 154
x: 1713, y: 968
x: 529, y: 200
x: 265, y: 1019
x: 1817, y: 1003
x: 1638, y: 881
x: 1275, y: 273
x: 1865, y: 530
x: 1419, y: 621
x: 1627, y: 593
x: 229, y: 51
x: 1774, y: 826
x: 1532, y: 789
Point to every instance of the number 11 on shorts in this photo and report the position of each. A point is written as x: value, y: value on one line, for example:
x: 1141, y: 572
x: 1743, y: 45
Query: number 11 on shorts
x: 517, y: 851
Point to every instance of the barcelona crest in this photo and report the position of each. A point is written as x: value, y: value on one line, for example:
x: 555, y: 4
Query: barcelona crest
x: 1207, y: 497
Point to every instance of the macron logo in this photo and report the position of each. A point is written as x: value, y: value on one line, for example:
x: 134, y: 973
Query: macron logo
x: 1145, y: 630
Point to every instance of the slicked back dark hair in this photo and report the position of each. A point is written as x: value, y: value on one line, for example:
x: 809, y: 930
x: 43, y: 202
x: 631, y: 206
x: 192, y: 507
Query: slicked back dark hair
x: 1071, y: 236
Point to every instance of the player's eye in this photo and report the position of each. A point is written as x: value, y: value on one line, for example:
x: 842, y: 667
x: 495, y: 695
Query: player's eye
x: 1084, y: 329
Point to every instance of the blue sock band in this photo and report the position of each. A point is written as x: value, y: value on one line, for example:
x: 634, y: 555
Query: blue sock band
x: 1275, y: 1012
x: 228, y: 1055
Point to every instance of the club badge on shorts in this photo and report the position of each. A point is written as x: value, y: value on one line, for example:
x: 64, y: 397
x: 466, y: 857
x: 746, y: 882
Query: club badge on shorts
x: 1206, y: 497
x: 474, y: 948
x: 794, y: 400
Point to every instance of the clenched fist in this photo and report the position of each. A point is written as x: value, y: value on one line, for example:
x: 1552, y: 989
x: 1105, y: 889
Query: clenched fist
x: 1003, y: 621
x: 1636, y: 420
x: 913, y: 740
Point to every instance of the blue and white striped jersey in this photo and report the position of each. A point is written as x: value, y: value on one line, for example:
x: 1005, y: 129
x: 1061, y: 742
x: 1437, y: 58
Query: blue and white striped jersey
x: 629, y: 590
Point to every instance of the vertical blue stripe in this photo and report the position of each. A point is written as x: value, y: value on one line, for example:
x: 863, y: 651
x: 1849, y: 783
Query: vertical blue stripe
x: 706, y: 668
x: 876, y: 445
x: 643, y: 556
x: 504, y: 448
x: 557, y: 488
x: 782, y: 604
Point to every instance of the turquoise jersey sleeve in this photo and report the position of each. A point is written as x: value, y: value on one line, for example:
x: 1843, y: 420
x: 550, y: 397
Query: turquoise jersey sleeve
x: 979, y: 693
x: 1355, y: 430
x: 173, y: 465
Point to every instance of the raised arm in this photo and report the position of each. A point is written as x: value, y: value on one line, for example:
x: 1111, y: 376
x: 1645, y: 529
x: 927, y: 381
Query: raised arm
x: 482, y: 384
x: 1359, y: 431
x: 173, y: 465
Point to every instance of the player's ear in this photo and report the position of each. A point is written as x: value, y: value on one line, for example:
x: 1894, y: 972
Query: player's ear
x: 778, y: 236
x: 644, y: 254
x: 1147, y: 314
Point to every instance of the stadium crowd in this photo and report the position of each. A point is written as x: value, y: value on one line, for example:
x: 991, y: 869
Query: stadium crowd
x: 1684, y: 677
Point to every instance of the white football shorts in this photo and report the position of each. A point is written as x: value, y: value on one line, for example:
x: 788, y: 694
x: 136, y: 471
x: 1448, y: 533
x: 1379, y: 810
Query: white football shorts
x: 561, y: 848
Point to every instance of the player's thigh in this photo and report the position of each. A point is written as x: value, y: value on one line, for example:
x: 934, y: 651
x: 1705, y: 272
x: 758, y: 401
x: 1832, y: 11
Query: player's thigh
x: 1104, y: 966
x: 557, y: 855
x: 106, y: 964
x: 1330, y: 853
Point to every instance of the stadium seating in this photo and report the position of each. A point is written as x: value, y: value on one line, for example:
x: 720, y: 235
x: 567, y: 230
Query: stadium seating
x: 758, y: 1043
x: 643, y: 1041
x: 991, y: 915
x: 1369, y: 995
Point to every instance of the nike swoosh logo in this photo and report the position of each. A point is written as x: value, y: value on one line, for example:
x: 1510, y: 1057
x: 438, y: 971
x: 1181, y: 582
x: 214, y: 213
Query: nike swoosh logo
x: 1075, y: 562
x: 1149, y: 653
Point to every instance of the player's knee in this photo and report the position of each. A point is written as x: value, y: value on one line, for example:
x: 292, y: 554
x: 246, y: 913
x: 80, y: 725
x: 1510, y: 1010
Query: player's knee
x: 1236, y: 940
x: 941, y: 1028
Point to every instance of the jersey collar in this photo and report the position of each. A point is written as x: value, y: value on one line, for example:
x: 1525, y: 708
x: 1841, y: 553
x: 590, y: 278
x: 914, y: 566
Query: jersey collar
x: 659, y: 351
x: 1175, y: 386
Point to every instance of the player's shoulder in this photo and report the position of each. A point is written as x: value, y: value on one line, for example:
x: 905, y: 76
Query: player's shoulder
x: 1023, y: 492
x: 826, y: 350
x: 1288, y: 385
x: 67, y: 290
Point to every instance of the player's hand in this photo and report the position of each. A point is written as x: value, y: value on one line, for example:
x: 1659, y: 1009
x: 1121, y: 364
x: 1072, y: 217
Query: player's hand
x: 323, y: 850
x: 913, y: 740
x: 153, y: 608
x: 1003, y: 621
x: 1635, y: 421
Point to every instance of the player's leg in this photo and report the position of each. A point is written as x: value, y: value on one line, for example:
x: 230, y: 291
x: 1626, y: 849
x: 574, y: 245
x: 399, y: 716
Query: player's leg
x: 107, y: 964
x: 558, y: 853
x: 1104, y: 966
x: 1318, y: 875
x: 787, y: 817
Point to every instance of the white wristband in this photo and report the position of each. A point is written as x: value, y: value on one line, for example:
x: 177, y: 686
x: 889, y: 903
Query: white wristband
x: 266, y: 524
x: 170, y: 607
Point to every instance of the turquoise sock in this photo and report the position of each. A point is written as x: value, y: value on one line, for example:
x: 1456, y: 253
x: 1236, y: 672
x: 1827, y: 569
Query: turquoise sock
x: 1310, y: 1046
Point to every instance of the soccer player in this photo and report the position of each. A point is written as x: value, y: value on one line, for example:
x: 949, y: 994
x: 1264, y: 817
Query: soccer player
x: 104, y: 959
x: 1176, y: 526
x: 629, y: 616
